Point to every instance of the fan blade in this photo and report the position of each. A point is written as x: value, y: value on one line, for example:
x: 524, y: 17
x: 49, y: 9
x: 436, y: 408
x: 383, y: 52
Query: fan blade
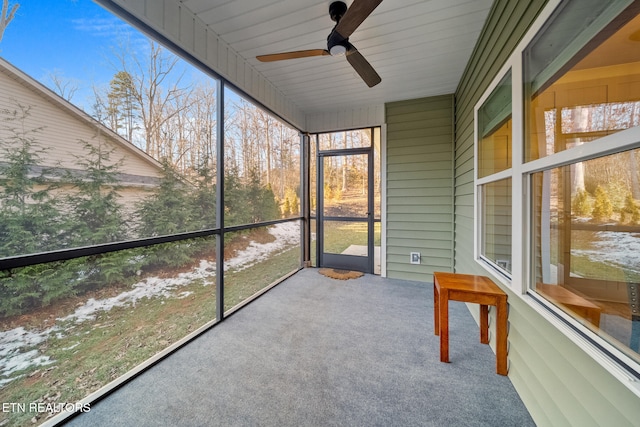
x: 362, y: 67
x: 292, y: 55
x: 357, y: 12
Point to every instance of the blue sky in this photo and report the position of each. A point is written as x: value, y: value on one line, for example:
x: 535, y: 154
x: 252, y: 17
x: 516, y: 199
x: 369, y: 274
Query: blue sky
x: 75, y: 39
x: 68, y: 37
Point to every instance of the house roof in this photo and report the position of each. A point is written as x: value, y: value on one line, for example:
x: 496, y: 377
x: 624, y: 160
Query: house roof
x: 27, y: 81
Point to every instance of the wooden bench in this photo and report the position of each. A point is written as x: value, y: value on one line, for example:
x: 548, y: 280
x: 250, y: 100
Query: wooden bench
x: 575, y: 303
x: 474, y: 289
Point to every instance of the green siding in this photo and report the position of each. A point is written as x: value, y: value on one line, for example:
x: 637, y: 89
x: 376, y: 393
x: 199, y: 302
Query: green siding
x: 559, y: 383
x: 419, y: 187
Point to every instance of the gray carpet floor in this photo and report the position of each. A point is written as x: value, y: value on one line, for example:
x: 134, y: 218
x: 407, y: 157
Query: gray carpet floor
x: 315, y: 351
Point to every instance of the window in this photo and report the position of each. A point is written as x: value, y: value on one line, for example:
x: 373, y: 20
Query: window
x: 581, y: 77
x: 496, y: 223
x: 586, y: 243
x: 560, y: 175
x: 585, y: 204
x: 494, y: 126
x: 494, y: 160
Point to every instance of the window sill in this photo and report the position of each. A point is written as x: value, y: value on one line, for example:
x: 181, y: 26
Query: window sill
x: 598, y: 349
x: 497, y: 273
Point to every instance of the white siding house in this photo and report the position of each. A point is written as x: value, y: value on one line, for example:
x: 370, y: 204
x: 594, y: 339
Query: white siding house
x: 62, y: 130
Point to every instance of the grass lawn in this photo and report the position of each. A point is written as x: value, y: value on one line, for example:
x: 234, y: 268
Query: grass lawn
x: 89, y: 354
x: 340, y: 235
x: 240, y: 285
x: 591, y: 260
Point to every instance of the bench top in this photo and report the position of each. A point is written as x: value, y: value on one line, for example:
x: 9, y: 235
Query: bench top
x: 466, y: 283
x: 564, y: 296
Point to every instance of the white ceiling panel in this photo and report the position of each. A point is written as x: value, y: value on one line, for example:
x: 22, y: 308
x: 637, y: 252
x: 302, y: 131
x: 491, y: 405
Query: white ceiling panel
x: 418, y: 47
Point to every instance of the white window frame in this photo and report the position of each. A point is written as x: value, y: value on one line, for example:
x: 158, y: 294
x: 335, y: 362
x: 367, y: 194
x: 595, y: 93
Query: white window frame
x: 491, y: 267
x: 608, y: 356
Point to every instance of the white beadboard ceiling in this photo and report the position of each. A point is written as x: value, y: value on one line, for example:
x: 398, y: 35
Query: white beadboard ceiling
x: 419, y: 47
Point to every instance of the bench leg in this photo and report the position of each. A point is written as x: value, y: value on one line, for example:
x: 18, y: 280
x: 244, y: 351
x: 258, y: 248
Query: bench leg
x: 484, y: 324
x: 444, y: 325
x: 436, y: 310
x: 501, y: 336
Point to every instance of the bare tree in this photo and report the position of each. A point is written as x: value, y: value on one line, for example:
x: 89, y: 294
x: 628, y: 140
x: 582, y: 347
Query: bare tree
x: 64, y: 87
x: 151, y: 85
x: 155, y: 96
x: 633, y: 171
x: 7, y: 14
x: 201, y: 126
x: 344, y: 164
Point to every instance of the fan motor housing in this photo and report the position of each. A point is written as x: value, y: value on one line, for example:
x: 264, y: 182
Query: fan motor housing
x: 337, y: 9
x: 336, y: 44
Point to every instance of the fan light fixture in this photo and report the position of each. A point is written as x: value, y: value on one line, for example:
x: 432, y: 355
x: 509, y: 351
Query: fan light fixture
x: 347, y: 21
x: 338, y: 50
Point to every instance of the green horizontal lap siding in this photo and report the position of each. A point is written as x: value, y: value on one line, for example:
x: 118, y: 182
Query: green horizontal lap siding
x: 569, y: 388
x: 419, y: 186
x: 559, y: 383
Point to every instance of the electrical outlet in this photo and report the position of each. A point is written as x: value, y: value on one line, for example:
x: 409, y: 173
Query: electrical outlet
x: 415, y: 258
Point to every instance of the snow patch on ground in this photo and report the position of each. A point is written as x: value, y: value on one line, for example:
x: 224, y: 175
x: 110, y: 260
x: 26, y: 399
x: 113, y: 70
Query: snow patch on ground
x: 147, y: 288
x: 615, y: 248
x: 14, y: 358
x: 18, y: 346
x: 286, y: 235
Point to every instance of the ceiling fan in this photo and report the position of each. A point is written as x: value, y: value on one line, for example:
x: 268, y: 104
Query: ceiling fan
x: 347, y: 21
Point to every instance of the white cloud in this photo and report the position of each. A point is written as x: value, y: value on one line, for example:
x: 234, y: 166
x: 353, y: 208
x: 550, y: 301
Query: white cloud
x: 101, y: 27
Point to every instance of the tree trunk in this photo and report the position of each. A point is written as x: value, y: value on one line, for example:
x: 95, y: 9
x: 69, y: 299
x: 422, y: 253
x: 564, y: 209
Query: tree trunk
x: 344, y: 167
x: 6, y: 16
x: 633, y: 169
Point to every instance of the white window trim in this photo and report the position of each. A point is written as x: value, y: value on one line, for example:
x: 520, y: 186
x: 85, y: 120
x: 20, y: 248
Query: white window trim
x: 495, y: 270
x: 520, y: 173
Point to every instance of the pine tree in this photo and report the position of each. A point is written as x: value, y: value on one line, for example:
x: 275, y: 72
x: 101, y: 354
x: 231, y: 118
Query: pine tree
x: 169, y: 210
x: 95, y: 213
x: 236, y: 209
x: 286, y: 208
x: 123, y: 108
x: 603, y: 209
x: 204, y: 200
x: 29, y: 214
x: 580, y: 205
x: 254, y: 198
x: 268, y: 205
x: 291, y: 195
x: 630, y: 211
x: 29, y: 218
